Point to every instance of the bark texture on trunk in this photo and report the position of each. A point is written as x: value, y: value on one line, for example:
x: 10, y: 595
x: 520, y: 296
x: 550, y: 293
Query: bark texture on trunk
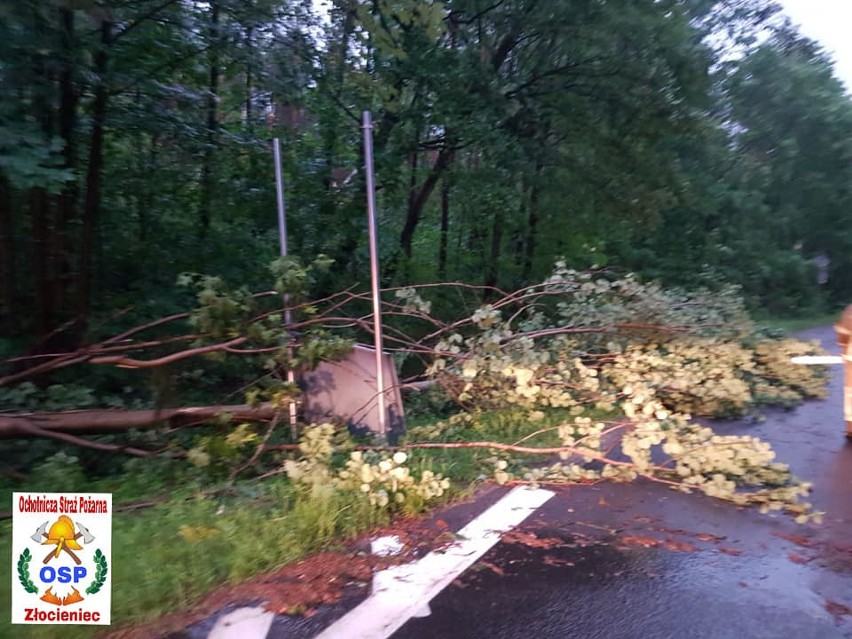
x: 116, y: 421
x: 94, y: 176
x: 444, y: 237
x: 206, y: 196
x: 8, y: 288
x: 418, y: 199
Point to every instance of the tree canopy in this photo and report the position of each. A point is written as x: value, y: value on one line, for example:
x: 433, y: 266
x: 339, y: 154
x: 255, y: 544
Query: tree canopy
x: 695, y: 142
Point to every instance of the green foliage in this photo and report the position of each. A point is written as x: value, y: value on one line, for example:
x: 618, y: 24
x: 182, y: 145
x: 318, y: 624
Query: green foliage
x: 59, y: 470
x: 716, y: 378
x: 767, y: 178
x: 219, y: 452
x: 28, y: 396
x: 29, y: 160
x: 222, y: 312
x: 497, y: 127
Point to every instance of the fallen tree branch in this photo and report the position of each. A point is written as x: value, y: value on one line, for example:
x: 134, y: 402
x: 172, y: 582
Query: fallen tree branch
x: 54, y: 364
x: 34, y: 431
x: 586, y: 453
x: 129, y: 362
x: 257, y: 451
x: 113, y: 421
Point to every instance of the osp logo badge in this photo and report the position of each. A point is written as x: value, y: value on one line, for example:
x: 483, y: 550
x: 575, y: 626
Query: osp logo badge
x: 61, y: 549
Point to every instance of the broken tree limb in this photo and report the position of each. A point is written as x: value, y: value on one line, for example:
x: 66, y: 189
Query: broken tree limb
x: 128, y: 362
x: 34, y: 431
x: 105, y: 421
x: 116, y: 421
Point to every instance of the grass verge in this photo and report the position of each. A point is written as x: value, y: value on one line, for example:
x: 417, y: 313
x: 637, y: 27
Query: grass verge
x: 166, y: 557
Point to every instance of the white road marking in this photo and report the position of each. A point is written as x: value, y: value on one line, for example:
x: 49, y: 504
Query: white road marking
x: 386, y: 546
x: 243, y: 623
x: 404, y: 591
x: 813, y: 360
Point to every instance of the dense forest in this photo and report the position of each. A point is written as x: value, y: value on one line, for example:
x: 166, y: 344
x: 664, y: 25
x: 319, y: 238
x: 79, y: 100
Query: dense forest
x: 694, y: 142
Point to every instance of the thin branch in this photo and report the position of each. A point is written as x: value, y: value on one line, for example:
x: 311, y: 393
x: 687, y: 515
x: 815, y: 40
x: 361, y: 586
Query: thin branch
x: 127, y: 362
x: 110, y: 421
x: 32, y: 430
x: 258, y: 450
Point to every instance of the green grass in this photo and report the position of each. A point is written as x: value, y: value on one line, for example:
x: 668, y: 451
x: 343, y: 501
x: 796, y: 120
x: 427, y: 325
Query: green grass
x: 467, y: 465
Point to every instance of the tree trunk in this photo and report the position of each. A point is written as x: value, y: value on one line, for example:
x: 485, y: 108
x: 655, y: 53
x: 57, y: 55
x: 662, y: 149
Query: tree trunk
x: 94, y: 174
x: 249, y: 121
x: 413, y: 160
x: 532, y: 229
x: 114, y: 421
x: 418, y: 202
x: 206, y: 201
x: 492, y: 268
x: 66, y: 201
x: 43, y: 312
x: 520, y: 235
x: 146, y: 199
x: 412, y: 174
x: 41, y: 225
x: 8, y: 307
x: 445, y: 232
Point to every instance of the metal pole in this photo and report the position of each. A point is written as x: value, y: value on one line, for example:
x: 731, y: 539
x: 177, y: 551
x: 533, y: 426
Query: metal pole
x: 279, y: 192
x: 367, y: 121
x: 282, y: 238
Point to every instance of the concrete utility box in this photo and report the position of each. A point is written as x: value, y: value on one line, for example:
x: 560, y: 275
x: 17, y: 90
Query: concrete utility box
x: 347, y: 390
x: 843, y: 328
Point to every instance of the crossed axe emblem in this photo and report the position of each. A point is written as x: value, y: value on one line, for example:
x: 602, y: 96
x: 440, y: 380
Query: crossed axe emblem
x: 63, y: 535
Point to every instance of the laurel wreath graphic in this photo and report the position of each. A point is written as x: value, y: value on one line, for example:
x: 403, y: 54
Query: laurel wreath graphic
x: 100, y: 573
x: 24, y: 572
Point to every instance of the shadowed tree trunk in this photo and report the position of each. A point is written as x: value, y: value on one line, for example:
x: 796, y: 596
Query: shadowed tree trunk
x: 94, y: 174
x: 492, y: 269
x: 417, y: 201
x: 66, y: 201
x: 147, y: 197
x: 249, y: 85
x: 8, y: 308
x: 445, y: 232
x: 532, y: 227
x: 206, y: 201
x: 44, y: 314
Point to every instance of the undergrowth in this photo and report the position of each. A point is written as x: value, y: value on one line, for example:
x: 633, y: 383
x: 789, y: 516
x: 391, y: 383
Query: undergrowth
x: 166, y: 557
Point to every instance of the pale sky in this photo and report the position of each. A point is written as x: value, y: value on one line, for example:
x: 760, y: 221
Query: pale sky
x: 829, y: 22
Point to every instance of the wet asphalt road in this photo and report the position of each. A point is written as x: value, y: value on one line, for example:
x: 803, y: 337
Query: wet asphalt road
x: 639, y: 560
x: 625, y: 561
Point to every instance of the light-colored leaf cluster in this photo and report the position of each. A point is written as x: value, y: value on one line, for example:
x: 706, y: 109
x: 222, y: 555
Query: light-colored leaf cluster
x: 412, y: 302
x: 387, y: 480
x: 655, y: 357
x: 384, y: 479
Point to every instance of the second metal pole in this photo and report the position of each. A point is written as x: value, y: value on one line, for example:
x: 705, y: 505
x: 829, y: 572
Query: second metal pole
x: 282, y: 237
x: 367, y: 122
